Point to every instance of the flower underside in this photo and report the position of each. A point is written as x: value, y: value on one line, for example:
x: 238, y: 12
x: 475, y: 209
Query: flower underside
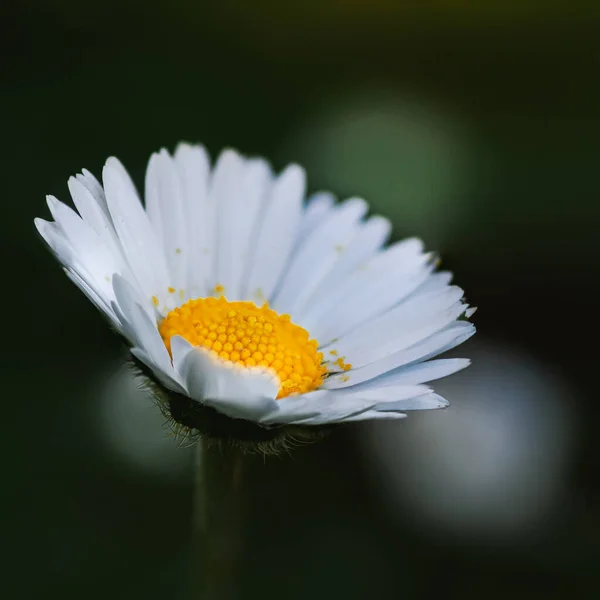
x: 243, y: 334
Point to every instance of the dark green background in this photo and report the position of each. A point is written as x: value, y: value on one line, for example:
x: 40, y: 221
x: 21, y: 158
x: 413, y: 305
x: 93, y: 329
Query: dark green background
x: 80, y: 82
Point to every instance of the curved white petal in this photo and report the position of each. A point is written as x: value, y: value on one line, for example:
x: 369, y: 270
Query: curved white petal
x: 315, y: 408
x: 414, y: 374
x: 165, y: 207
x: 95, y: 216
x: 435, y: 344
x: 323, y: 406
x: 98, y: 301
x: 143, y: 327
x: 275, y: 235
x: 89, y: 181
x: 383, y: 281
x: 317, y: 207
x: 435, y: 281
x: 381, y: 395
x: 429, y: 401
x: 239, y: 188
x: 138, y: 240
x: 165, y: 377
x: 318, y: 254
x: 55, y: 238
x: 193, y: 165
x: 401, y: 327
x: 224, y: 193
x: 376, y: 415
x: 367, y: 241
x: 88, y: 251
x: 238, y: 393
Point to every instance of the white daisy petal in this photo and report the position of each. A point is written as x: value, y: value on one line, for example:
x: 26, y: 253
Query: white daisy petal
x: 374, y: 415
x: 100, y: 295
x: 382, y: 266
x: 383, y: 395
x: 238, y: 393
x: 146, y: 334
x: 239, y: 188
x: 179, y: 350
x: 149, y: 339
x: 250, y: 204
x: 317, y: 207
x: 193, y: 164
x: 97, y: 300
x: 95, y: 215
x: 55, y: 238
x: 318, y: 254
x: 414, y: 374
x: 166, y: 378
x: 436, y: 281
x: 123, y: 304
x: 138, y: 240
x: 415, y: 320
x: 369, y: 239
x: 225, y: 191
x: 438, y: 343
x: 390, y: 277
x: 165, y: 206
x: 317, y: 408
x: 464, y: 330
x: 125, y: 328
x: 275, y: 234
x: 91, y: 252
x: 425, y: 402
x: 94, y: 187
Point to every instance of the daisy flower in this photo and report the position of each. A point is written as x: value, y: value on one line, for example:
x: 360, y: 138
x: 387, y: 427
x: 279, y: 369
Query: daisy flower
x: 253, y: 310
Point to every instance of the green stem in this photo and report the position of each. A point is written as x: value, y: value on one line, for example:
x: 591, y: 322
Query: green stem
x: 217, y: 522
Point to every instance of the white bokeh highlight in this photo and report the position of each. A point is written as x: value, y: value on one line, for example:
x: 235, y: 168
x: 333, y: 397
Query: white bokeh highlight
x: 490, y: 467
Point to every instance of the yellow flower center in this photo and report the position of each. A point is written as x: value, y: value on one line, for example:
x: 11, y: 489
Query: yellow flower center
x: 246, y: 335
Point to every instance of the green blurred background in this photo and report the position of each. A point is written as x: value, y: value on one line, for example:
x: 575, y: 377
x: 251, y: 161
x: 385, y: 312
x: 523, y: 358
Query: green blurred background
x: 475, y: 127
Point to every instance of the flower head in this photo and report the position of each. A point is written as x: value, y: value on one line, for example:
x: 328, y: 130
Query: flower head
x: 252, y: 309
